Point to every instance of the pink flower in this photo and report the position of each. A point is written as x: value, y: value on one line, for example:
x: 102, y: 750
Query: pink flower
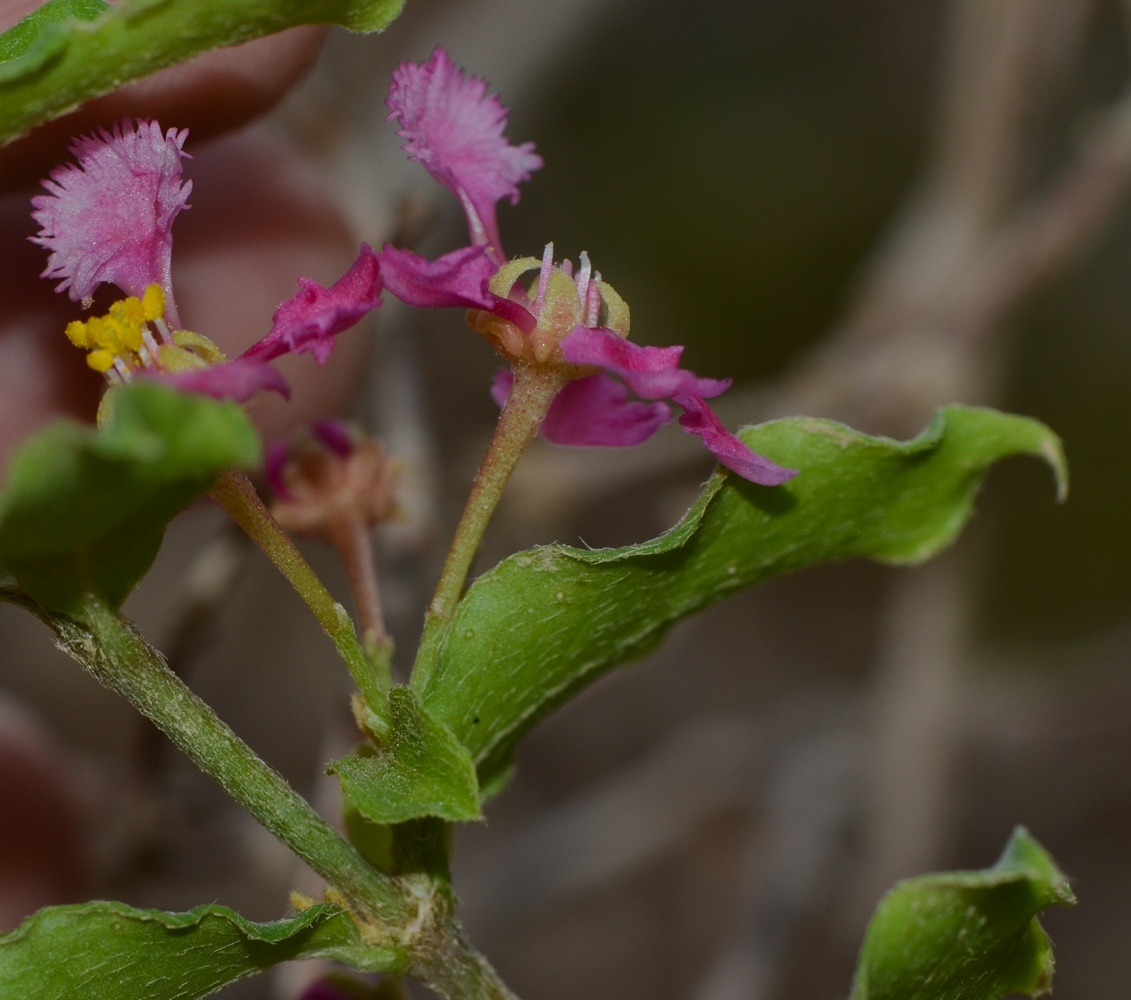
x: 456, y: 131
x: 316, y: 315
x: 330, y: 477
x: 110, y: 217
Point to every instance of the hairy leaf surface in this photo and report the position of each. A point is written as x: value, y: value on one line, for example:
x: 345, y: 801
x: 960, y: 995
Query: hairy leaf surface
x: 110, y: 951
x: 71, y: 51
x: 84, y: 510
x: 547, y: 621
x: 965, y: 935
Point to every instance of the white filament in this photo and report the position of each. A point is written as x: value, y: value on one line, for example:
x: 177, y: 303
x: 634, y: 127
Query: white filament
x: 544, y: 275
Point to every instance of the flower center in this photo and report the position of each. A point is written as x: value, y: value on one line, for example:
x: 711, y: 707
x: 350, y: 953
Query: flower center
x: 122, y: 342
x: 560, y: 302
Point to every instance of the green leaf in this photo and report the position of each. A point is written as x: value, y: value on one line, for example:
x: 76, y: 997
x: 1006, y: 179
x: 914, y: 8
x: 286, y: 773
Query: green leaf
x: 548, y: 621
x: 84, y: 510
x: 39, y: 31
x: 419, y: 769
x: 110, y: 951
x: 56, y: 60
x: 965, y: 935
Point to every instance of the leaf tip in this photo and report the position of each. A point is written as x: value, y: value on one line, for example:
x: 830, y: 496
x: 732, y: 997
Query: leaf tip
x: 1052, y: 451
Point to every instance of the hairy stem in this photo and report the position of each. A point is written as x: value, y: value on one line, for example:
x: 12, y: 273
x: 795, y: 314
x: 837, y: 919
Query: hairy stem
x: 233, y: 491
x: 531, y: 394
x: 113, y: 651
x: 414, y: 916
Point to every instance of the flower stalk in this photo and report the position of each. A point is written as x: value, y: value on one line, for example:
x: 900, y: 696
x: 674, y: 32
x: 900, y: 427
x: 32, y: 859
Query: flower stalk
x: 351, y: 538
x: 235, y: 493
x: 534, y: 389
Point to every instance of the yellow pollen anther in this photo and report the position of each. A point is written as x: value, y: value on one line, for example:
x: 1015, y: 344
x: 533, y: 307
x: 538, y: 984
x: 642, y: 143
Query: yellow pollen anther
x: 100, y: 361
x: 153, y: 303
x: 99, y: 333
x: 129, y: 310
x: 76, y: 333
x: 118, y: 339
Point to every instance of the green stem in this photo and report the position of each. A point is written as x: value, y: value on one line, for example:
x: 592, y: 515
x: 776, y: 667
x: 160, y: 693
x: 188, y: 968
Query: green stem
x: 531, y: 394
x: 412, y: 915
x: 233, y: 491
x: 113, y: 651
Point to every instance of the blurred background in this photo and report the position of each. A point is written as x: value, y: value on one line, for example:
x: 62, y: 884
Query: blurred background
x: 858, y: 210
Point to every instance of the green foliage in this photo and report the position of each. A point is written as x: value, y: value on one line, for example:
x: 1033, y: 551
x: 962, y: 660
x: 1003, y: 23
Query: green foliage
x: 110, y: 951
x: 84, y: 510
x: 965, y: 935
x: 56, y: 60
x: 546, y: 622
x: 419, y: 769
x: 39, y: 31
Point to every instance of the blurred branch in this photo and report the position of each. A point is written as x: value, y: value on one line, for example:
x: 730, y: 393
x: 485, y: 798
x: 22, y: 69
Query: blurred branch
x: 962, y: 254
x: 808, y: 803
x: 643, y: 811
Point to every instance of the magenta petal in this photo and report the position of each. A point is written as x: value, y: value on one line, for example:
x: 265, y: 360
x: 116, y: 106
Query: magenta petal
x: 593, y: 412
x: 458, y: 278
x: 335, y: 435
x: 501, y: 386
x: 698, y: 418
x: 322, y: 989
x: 110, y: 217
x: 237, y: 380
x: 456, y: 131
x: 650, y: 372
x: 311, y: 319
x: 273, y: 464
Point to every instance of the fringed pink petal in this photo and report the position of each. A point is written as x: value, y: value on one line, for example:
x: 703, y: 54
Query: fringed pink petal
x: 593, y: 412
x: 698, y: 418
x: 455, y: 129
x: 236, y: 380
x: 650, y: 372
x: 458, y: 278
x: 316, y: 315
x: 110, y: 218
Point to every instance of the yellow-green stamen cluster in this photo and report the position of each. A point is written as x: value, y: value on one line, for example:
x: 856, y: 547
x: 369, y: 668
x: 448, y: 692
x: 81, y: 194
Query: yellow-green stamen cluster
x: 121, y: 341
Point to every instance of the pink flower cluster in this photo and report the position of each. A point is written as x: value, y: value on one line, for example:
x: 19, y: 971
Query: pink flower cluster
x: 110, y: 217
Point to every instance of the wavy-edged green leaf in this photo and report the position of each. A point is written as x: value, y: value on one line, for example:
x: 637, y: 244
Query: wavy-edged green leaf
x: 110, y: 951
x: 55, y: 61
x: 965, y: 935
x: 545, y: 622
x: 419, y: 769
x: 84, y: 510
